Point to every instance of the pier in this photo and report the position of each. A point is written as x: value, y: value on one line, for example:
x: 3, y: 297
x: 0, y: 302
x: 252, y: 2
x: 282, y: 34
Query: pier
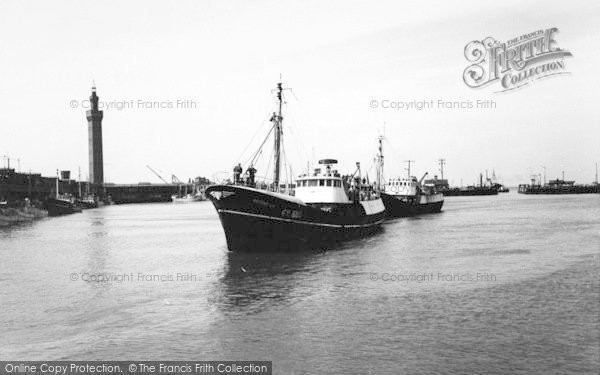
x: 559, y: 187
x: 15, y: 187
x: 144, y: 192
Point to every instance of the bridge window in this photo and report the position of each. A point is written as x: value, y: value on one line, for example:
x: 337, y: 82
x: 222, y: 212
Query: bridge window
x: 321, y: 182
x: 312, y: 183
x: 337, y: 183
x: 328, y: 182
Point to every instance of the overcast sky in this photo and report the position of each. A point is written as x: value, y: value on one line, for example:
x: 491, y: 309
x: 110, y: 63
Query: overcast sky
x: 226, y: 56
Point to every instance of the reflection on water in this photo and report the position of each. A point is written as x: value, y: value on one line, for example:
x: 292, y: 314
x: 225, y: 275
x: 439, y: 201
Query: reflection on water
x: 252, y: 283
x: 166, y: 287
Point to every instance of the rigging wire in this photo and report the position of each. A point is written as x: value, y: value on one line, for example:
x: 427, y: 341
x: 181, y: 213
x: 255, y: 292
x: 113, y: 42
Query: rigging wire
x: 394, y: 153
x: 299, y: 141
x: 261, y: 147
x: 268, y: 166
x: 288, y: 179
x: 258, y: 130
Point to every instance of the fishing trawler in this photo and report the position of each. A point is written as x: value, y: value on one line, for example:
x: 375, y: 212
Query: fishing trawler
x: 61, y: 204
x: 408, y: 196
x: 87, y: 201
x: 325, y: 206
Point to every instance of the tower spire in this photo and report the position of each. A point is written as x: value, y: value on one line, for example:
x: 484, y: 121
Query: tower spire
x: 96, y: 165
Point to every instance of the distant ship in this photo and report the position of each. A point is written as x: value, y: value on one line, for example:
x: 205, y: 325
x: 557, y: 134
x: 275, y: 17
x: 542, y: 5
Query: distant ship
x: 24, y: 212
x: 87, y: 202
x: 61, y: 204
x: 441, y: 185
x: 326, y: 206
x: 558, y: 186
x: 497, y: 185
x: 470, y: 190
x: 188, y: 198
x: 197, y: 196
x: 501, y: 188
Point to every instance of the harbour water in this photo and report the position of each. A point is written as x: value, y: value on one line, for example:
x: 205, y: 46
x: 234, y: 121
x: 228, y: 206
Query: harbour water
x: 493, y: 284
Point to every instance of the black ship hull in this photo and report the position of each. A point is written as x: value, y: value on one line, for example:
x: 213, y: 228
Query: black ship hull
x: 396, y: 207
x: 458, y: 192
x: 59, y: 207
x: 261, y: 221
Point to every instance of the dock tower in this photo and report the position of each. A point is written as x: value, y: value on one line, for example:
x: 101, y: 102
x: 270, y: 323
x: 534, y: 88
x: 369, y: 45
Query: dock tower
x: 96, y: 169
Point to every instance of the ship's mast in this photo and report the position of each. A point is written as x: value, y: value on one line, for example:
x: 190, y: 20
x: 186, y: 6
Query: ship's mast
x: 277, y: 120
x: 442, y: 163
x: 380, y: 163
x: 57, y: 193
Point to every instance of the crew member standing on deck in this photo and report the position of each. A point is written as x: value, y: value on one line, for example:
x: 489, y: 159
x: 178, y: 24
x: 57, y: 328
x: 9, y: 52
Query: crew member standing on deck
x: 251, y: 172
x: 237, y: 172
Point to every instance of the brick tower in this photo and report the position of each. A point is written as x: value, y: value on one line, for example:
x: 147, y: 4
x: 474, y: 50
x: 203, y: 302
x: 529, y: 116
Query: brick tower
x: 96, y: 170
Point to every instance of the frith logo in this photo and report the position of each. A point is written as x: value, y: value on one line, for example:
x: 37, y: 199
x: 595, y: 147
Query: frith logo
x: 515, y: 63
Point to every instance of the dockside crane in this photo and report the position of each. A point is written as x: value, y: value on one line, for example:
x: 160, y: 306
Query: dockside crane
x: 159, y: 176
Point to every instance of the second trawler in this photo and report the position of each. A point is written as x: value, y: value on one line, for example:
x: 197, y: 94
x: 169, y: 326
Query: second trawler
x: 407, y: 196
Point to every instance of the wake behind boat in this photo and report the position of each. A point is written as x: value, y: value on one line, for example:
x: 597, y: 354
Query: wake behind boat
x: 324, y: 206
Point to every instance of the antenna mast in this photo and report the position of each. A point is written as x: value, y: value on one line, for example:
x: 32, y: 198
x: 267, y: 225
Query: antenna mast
x: 408, y: 169
x: 380, y: 162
